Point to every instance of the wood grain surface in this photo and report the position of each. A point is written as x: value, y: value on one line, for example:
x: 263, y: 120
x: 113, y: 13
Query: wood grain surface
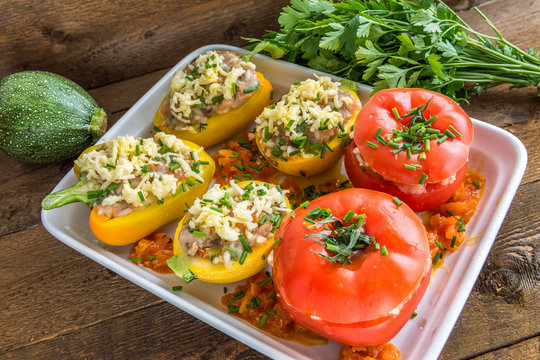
x: 58, y: 304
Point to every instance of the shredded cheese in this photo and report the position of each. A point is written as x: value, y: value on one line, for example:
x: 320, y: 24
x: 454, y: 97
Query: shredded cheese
x: 240, y: 210
x: 140, y: 171
x: 310, y: 106
x: 207, y: 81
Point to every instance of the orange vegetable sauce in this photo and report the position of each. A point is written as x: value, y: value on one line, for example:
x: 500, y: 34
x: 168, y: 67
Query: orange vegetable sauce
x: 242, y: 161
x: 447, y: 224
x: 152, y: 252
x: 257, y: 303
x: 382, y: 352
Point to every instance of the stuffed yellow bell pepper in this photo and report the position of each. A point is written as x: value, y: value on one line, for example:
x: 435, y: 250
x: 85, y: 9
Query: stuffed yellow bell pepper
x: 134, y: 186
x: 305, y: 132
x: 227, y: 234
x: 213, y: 98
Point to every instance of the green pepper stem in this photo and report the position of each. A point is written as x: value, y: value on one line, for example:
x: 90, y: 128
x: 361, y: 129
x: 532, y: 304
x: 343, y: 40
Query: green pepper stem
x: 76, y: 193
x: 181, y: 269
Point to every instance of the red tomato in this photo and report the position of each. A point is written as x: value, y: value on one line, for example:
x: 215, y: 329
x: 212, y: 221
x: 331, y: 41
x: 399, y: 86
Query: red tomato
x: 441, y: 162
x: 367, y: 301
x: 435, y: 193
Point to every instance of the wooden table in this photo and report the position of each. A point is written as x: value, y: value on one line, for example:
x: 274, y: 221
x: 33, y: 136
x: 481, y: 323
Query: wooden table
x: 56, y: 303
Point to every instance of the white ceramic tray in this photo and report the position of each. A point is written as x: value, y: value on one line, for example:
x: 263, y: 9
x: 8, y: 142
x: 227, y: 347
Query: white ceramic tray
x: 496, y: 154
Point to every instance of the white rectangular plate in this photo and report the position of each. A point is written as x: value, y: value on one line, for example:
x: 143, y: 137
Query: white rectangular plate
x: 496, y: 154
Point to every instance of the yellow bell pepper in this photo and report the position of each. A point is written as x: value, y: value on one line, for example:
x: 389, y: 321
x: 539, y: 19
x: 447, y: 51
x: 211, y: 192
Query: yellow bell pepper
x: 299, y: 165
x: 189, y: 268
x: 123, y: 230
x: 221, y: 126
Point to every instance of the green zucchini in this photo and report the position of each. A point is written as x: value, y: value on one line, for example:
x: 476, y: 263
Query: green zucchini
x: 45, y: 117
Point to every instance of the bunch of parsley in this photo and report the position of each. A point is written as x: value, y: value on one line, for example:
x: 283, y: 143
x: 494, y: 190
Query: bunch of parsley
x: 398, y: 43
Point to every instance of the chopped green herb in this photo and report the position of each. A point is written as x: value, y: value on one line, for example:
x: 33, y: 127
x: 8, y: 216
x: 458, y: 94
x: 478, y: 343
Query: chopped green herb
x: 397, y: 201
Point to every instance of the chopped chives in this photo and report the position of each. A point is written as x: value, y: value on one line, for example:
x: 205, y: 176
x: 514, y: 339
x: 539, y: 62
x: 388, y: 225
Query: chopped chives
x: 305, y: 204
x: 442, y: 139
x: 384, y: 251
x: 396, y: 114
x: 450, y: 212
x: 276, y: 242
x: 438, y: 255
x: 271, y: 94
x: 110, y: 166
x: 230, y: 250
x: 244, y: 242
x: 262, y: 221
x: 454, y: 238
x: 238, y: 167
x: 410, y: 166
x: 174, y: 165
x: 263, y: 320
x: 323, y: 152
x: 138, y: 150
x: 422, y: 179
x: 265, y: 281
x: 439, y: 245
x: 348, y: 216
x: 184, y: 188
x: 414, y: 314
x: 454, y: 130
x: 160, y: 201
x: 156, y: 129
x: 136, y: 259
x: 341, y: 127
x: 216, y: 209
x: 409, y: 153
x: 199, y: 233
x: 297, y: 151
x: 113, y: 187
x: 141, y: 196
x: 476, y: 184
x: 243, y: 257
x: 151, y: 257
x: 373, y: 145
x: 422, y: 156
x: 190, y: 182
x: 225, y: 289
x: 450, y: 134
x: 397, y: 201
x: 427, y: 145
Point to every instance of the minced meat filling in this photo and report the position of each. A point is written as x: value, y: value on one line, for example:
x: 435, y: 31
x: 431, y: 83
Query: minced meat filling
x: 226, y: 222
x: 213, y: 83
x: 306, y: 118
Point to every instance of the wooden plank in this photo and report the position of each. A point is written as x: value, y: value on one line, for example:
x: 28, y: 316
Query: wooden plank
x: 503, y: 307
x: 527, y: 349
x: 71, y: 295
x: 99, y: 42
x: 156, y: 332
x: 31, y: 252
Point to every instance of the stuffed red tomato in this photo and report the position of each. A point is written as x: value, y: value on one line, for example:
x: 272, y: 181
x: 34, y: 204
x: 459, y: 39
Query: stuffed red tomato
x: 411, y: 143
x: 352, y: 266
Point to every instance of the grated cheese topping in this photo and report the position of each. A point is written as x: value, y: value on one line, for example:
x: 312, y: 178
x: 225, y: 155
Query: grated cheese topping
x: 138, y: 172
x: 309, y: 107
x: 239, y: 210
x: 213, y: 77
